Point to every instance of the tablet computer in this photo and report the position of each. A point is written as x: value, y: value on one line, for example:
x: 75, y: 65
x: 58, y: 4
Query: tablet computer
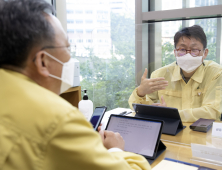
x: 141, y: 135
x: 171, y: 117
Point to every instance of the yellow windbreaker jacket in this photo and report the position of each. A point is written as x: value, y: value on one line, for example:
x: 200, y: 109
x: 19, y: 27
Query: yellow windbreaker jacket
x: 201, y: 97
x: 41, y: 131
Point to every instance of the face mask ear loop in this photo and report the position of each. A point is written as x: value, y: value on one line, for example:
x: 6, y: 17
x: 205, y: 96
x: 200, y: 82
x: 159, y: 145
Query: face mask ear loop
x: 55, y: 77
x: 204, y: 52
x: 53, y: 58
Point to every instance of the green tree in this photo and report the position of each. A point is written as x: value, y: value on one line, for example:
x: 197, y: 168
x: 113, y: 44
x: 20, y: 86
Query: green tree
x: 111, y: 81
x: 168, y: 53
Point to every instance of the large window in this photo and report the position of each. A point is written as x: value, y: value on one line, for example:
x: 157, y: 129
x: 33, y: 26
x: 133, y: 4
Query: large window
x: 105, y: 46
x: 157, y: 21
x: 114, y: 48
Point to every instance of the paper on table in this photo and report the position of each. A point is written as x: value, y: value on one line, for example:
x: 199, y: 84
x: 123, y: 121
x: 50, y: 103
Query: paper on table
x: 217, y: 129
x: 206, y: 152
x: 170, y: 165
x: 114, y: 111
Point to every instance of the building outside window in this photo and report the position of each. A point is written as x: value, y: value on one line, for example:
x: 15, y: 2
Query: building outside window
x: 79, y: 21
x: 107, y: 66
x: 70, y: 11
x: 89, y: 21
x: 79, y: 41
x: 70, y: 21
x: 70, y: 31
x: 89, y: 40
x: 79, y: 31
x: 78, y: 11
x: 89, y: 11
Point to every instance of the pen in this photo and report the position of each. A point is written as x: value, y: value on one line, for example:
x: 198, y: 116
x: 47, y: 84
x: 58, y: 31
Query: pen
x: 127, y: 113
x: 123, y: 113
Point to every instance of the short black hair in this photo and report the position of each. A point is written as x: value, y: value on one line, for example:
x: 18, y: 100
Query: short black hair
x: 194, y: 31
x: 23, y: 25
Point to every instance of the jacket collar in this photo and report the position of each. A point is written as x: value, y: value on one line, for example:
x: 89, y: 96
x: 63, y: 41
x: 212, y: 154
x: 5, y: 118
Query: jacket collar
x: 17, y: 74
x: 197, y: 76
x: 176, y: 73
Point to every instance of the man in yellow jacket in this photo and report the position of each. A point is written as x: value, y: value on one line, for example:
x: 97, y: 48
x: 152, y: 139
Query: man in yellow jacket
x: 191, y: 84
x: 38, y: 129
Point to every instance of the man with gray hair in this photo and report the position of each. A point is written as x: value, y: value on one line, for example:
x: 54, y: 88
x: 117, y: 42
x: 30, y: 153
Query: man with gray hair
x: 39, y: 129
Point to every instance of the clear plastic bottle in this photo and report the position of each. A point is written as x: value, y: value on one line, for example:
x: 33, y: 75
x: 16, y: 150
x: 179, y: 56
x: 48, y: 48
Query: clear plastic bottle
x: 86, y: 106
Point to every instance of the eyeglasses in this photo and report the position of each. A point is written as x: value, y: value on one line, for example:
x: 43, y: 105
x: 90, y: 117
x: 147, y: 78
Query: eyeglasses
x: 193, y: 52
x: 68, y: 47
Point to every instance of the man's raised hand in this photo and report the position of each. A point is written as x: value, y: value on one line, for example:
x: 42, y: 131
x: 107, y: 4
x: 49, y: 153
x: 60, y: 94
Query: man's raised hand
x: 148, y: 86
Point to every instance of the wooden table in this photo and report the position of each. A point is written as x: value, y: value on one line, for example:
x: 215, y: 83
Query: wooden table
x: 188, y: 136
x: 179, y: 146
x: 72, y: 95
x: 181, y: 153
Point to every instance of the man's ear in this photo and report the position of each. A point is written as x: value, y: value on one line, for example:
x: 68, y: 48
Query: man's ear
x: 205, y: 53
x: 41, y: 63
x: 175, y: 52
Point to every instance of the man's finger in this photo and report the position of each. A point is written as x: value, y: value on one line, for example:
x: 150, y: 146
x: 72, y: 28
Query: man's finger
x: 145, y: 74
x: 160, y: 86
x: 154, y: 89
x: 101, y: 132
x: 99, y: 127
x: 156, y: 83
x: 155, y: 104
x: 158, y: 79
x: 162, y: 100
x: 108, y: 133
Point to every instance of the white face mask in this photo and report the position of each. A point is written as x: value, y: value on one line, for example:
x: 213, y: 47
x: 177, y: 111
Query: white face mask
x: 67, y: 77
x: 188, y: 63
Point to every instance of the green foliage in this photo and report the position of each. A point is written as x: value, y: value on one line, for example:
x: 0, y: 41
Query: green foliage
x: 111, y: 81
x: 211, y: 47
x: 123, y: 34
x: 168, y: 53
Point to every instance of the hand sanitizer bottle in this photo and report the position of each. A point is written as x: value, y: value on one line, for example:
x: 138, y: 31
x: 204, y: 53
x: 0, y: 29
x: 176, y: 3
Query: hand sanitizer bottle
x: 86, y: 106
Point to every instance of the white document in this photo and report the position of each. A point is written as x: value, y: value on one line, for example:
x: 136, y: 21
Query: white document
x: 206, y: 152
x: 170, y: 165
x: 114, y: 111
x: 217, y: 142
x: 217, y: 129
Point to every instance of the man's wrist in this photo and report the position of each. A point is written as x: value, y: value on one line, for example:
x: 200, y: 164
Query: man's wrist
x: 139, y: 92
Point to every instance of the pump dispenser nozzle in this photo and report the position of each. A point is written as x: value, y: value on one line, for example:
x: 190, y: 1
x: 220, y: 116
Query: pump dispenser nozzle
x: 85, y: 97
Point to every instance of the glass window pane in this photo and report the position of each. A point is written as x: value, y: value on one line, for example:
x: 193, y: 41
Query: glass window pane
x: 178, y: 4
x: 160, y: 50
x: 104, y: 43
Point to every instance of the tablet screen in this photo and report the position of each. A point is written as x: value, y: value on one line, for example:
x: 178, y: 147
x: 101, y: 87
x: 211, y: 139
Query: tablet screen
x: 140, y: 135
